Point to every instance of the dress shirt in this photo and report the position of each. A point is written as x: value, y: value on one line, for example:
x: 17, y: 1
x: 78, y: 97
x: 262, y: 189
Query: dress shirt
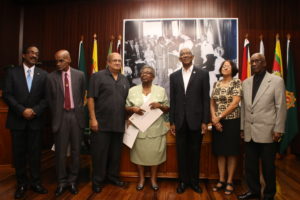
x: 70, y: 85
x: 186, y: 75
x: 26, y: 68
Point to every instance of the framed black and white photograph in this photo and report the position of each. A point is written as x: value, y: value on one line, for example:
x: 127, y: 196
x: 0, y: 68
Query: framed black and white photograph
x: 157, y: 42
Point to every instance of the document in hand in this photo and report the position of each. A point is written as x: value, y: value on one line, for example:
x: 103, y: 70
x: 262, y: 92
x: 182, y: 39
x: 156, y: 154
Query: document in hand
x: 142, y: 122
x: 130, y: 135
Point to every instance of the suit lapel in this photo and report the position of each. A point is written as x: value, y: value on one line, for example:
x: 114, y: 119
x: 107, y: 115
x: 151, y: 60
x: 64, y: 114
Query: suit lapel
x: 59, y: 81
x: 192, y: 78
x: 23, y: 79
x: 73, y: 82
x: 36, y: 77
x: 262, y: 88
x: 180, y: 78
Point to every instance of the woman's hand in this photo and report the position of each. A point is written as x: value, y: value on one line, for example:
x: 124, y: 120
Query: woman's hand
x: 155, y: 105
x: 219, y: 127
x: 215, y: 119
x: 138, y: 110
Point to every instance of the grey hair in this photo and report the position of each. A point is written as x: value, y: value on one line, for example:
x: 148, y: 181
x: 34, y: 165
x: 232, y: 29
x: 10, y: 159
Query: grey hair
x: 148, y: 67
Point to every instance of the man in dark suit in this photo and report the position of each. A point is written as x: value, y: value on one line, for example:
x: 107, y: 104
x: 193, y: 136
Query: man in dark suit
x: 189, y: 115
x: 25, y: 96
x: 65, y: 94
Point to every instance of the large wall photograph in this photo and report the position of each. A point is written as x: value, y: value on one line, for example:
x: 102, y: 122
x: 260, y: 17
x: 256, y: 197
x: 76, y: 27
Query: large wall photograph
x: 157, y: 42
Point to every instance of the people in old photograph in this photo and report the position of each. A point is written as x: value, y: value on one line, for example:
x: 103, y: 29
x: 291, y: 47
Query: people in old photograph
x: 157, y: 43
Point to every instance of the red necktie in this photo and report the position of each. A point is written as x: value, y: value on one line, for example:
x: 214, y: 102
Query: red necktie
x: 67, y: 93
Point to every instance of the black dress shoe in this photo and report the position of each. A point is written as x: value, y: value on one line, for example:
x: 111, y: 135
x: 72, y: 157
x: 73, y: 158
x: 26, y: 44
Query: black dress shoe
x: 20, y: 192
x: 73, y: 189
x: 59, y: 190
x: 248, y: 195
x: 118, y: 183
x: 181, y: 188
x: 196, y: 188
x: 38, y: 188
x: 97, y: 188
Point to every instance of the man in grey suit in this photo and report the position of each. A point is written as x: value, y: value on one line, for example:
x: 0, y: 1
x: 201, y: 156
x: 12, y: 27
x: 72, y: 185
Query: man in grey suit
x: 65, y: 94
x: 263, y: 116
x: 189, y: 115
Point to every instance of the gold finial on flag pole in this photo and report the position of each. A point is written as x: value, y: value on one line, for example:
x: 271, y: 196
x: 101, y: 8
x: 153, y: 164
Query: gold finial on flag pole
x: 261, y: 36
x: 82, y: 38
x: 120, y: 37
x: 277, y: 36
x: 246, y: 36
x: 112, y: 37
x: 288, y: 36
x: 95, y: 36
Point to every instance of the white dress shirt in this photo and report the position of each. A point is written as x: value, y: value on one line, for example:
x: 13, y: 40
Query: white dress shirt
x: 186, y: 75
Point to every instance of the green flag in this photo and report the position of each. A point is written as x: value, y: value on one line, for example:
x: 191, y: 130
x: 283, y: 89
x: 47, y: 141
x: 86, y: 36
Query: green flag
x: 82, y: 67
x: 291, y: 124
x: 109, y: 49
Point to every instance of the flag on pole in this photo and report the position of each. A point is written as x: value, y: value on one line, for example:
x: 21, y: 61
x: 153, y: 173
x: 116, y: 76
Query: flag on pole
x: 95, y: 56
x: 291, y: 124
x: 82, y: 67
x: 261, y: 46
x: 119, y: 44
x: 81, y: 58
x: 246, y: 68
x: 110, y: 47
x: 277, y: 64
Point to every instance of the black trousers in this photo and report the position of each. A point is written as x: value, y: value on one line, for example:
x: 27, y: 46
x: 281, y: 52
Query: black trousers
x: 106, y: 155
x: 188, y: 147
x: 69, y: 134
x: 27, y: 152
x: 266, y: 152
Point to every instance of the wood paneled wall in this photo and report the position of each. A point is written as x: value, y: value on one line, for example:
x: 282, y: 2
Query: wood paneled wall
x: 60, y: 24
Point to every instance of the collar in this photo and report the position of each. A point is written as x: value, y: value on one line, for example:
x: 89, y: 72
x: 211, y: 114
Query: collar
x: 190, y: 69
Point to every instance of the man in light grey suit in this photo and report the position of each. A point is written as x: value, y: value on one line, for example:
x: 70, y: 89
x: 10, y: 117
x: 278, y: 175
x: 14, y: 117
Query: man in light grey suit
x: 263, y: 116
x: 65, y: 94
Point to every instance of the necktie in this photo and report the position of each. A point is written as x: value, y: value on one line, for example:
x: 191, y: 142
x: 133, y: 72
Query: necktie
x: 67, y: 93
x: 29, y: 79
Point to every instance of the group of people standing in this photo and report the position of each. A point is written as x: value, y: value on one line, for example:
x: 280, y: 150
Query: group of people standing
x: 260, y: 121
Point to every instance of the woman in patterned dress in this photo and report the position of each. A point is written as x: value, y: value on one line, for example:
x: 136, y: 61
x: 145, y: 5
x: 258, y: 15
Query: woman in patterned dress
x: 149, y: 148
x: 225, y: 112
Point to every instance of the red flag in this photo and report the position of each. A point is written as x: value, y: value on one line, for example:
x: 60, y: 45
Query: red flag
x: 246, y: 68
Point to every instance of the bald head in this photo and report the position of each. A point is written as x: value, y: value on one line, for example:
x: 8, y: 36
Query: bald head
x: 258, y: 63
x: 63, y: 60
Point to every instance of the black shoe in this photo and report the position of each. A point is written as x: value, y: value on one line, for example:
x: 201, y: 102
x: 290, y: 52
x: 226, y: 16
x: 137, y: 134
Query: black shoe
x: 59, y: 190
x: 268, y: 198
x: 196, y: 188
x: 181, y: 188
x: 248, y: 195
x: 118, y: 183
x: 97, y: 188
x: 38, y: 188
x: 20, y: 192
x: 73, y: 189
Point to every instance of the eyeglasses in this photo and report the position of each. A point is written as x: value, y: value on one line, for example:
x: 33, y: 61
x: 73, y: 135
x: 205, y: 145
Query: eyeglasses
x: 255, y: 61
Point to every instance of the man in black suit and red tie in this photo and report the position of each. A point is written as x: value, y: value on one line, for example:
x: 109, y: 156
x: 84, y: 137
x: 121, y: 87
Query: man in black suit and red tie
x: 189, y: 116
x: 65, y: 94
x: 24, y: 92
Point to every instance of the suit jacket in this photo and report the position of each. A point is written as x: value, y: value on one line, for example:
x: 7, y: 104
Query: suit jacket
x: 267, y: 113
x: 194, y: 104
x: 18, y: 97
x: 55, y: 97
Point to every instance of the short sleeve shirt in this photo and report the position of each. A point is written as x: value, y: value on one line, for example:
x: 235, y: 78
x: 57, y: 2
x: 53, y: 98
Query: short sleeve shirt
x: 110, y: 98
x: 223, y: 96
